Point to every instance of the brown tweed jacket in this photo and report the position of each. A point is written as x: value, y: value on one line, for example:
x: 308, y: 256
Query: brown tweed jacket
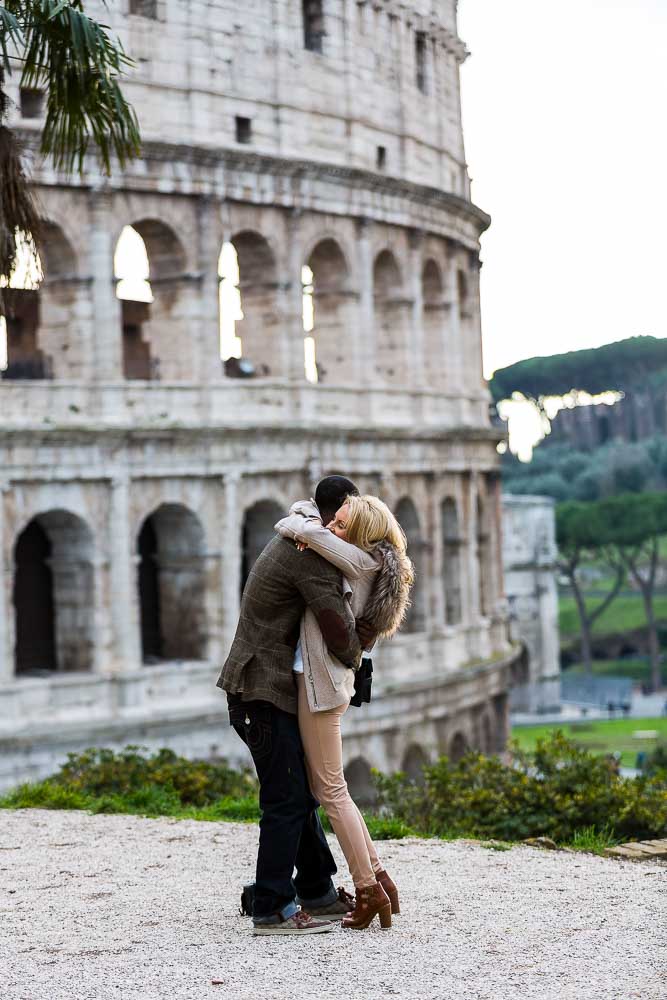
x: 282, y: 584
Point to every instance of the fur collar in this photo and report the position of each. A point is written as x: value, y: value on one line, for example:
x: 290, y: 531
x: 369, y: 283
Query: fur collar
x: 390, y: 598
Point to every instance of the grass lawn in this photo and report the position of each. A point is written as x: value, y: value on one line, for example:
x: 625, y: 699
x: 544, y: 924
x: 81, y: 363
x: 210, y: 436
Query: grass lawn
x: 622, y: 615
x: 599, y: 736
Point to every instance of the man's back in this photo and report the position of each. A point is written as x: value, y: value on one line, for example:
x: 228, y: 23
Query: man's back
x: 282, y: 582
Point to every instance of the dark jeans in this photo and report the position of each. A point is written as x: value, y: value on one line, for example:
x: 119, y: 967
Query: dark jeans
x: 290, y: 832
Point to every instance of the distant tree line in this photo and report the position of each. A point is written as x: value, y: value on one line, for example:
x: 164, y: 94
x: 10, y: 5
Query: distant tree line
x: 620, y: 367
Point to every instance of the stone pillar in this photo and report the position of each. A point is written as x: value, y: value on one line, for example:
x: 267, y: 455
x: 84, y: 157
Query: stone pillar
x: 292, y: 335
x: 416, y: 350
x: 108, y: 333
x: 6, y: 657
x: 455, y: 355
x: 230, y: 585
x: 367, y: 348
x: 126, y: 642
x: 438, y: 567
x: 210, y: 245
x: 472, y: 552
x: 474, y: 354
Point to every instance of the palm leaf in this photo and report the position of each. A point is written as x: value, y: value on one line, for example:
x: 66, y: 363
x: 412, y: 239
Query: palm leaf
x: 75, y: 60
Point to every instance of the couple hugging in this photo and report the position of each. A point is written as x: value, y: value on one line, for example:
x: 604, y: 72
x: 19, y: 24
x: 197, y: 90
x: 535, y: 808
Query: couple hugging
x: 334, y: 579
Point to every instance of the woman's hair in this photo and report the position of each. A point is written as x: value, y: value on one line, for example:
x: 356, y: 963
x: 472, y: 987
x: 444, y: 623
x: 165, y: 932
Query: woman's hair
x: 370, y: 521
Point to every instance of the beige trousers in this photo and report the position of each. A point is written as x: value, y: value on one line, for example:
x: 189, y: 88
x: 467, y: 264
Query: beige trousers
x: 323, y: 746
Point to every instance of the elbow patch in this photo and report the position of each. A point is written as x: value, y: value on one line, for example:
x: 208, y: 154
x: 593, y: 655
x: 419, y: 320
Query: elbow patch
x: 334, y: 628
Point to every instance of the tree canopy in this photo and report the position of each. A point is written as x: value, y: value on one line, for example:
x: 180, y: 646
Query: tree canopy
x: 619, y: 366
x: 52, y: 45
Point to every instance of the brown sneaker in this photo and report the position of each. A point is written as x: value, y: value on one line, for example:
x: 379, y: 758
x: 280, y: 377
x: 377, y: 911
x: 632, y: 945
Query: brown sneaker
x: 336, y: 910
x: 300, y: 923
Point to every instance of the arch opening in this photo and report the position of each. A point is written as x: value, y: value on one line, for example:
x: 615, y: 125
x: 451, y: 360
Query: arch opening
x: 415, y: 760
x: 171, y: 579
x: 406, y: 514
x: 39, y: 338
x: 360, y: 783
x: 257, y: 532
x: 327, y: 318
x: 250, y: 308
x: 458, y: 747
x: 149, y: 268
x: 392, y: 320
x: 53, y: 595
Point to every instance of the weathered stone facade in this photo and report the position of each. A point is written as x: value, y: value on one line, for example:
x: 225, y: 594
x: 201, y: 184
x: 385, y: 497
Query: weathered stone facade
x: 138, y: 480
x: 530, y: 562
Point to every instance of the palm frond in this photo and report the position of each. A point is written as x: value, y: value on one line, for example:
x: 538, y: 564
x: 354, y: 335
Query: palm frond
x: 10, y: 36
x: 18, y: 210
x: 75, y: 60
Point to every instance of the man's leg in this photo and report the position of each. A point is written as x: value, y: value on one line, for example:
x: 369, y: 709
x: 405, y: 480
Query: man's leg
x: 273, y: 739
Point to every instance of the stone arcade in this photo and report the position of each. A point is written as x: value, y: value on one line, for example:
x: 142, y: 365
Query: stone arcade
x: 139, y: 478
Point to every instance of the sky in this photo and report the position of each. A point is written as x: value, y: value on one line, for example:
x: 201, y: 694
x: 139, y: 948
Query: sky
x: 565, y: 122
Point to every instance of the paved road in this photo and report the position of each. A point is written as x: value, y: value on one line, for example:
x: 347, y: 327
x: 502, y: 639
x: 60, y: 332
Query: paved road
x: 95, y: 908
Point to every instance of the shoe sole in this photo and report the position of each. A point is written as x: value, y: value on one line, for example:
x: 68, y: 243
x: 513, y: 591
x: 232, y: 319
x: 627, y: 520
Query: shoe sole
x: 275, y: 931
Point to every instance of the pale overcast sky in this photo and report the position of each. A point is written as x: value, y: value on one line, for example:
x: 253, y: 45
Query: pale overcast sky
x: 565, y: 111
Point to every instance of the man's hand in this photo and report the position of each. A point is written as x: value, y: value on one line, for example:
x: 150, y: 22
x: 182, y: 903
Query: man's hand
x: 301, y: 546
x: 366, y: 632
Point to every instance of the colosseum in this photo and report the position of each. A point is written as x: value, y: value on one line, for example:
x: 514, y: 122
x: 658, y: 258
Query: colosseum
x: 285, y: 285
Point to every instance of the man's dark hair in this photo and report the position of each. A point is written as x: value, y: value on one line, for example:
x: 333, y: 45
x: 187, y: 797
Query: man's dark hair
x: 330, y: 494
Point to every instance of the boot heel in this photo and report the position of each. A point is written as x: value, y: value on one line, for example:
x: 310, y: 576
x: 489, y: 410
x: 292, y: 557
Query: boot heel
x: 385, y: 916
x: 395, y: 908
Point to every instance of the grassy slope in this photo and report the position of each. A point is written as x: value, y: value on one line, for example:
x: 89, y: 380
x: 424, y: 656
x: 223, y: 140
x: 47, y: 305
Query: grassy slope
x: 622, y: 615
x: 599, y: 736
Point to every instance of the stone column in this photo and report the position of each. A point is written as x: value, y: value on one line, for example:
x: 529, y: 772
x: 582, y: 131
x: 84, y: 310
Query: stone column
x: 416, y: 352
x: 292, y: 303
x: 455, y: 355
x: 210, y: 245
x: 230, y: 585
x: 108, y: 333
x: 438, y: 567
x: 474, y: 353
x: 366, y: 349
x: 473, y: 548
x: 126, y: 642
x: 6, y: 658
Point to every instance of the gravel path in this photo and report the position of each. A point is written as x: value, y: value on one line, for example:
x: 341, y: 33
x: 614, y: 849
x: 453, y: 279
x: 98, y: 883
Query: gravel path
x: 121, y: 907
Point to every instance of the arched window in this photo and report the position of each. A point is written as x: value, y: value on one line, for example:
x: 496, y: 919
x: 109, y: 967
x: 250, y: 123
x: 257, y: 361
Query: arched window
x: 313, y: 25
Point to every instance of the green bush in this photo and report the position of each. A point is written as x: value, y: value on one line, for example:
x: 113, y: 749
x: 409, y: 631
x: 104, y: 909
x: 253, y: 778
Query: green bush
x: 133, y: 772
x: 557, y: 791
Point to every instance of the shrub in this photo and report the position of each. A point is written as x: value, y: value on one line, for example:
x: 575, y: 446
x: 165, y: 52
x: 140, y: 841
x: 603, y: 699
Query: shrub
x: 556, y: 791
x: 130, y: 773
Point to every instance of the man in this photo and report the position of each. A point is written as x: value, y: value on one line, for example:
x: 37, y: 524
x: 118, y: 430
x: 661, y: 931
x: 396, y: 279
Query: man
x: 262, y: 699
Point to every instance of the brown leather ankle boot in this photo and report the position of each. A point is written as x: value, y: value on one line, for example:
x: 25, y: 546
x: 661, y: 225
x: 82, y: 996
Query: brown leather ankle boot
x: 391, y: 890
x: 370, y: 902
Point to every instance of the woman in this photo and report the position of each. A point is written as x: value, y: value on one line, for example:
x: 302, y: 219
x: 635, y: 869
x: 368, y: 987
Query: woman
x: 366, y: 542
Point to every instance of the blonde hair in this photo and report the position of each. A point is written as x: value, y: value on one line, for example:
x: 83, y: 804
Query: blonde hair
x: 370, y: 521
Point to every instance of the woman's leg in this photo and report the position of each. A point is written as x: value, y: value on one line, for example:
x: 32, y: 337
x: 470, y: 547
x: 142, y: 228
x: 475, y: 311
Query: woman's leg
x: 370, y: 846
x: 322, y: 743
